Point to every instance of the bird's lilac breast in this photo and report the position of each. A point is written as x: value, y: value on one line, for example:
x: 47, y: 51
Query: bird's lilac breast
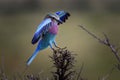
x: 54, y: 29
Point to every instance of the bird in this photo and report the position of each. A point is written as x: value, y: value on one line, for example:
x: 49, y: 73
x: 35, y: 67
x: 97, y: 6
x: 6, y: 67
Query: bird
x: 46, y: 32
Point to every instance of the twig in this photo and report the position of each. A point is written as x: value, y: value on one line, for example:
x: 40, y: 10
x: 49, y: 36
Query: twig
x: 2, y: 73
x: 93, y: 35
x: 2, y: 61
x: 79, y: 74
x: 106, y: 42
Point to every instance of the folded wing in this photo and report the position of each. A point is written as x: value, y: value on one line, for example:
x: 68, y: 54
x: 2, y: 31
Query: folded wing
x: 42, y: 29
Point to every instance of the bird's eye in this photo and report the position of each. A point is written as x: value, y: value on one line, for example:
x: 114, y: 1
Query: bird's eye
x: 53, y: 18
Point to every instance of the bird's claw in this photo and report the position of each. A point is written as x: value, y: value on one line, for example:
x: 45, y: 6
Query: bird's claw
x: 64, y: 48
x: 54, y: 50
x: 61, y: 48
x: 57, y: 47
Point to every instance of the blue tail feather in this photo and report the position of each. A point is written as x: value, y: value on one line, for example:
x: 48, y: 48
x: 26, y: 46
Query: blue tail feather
x: 32, y: 57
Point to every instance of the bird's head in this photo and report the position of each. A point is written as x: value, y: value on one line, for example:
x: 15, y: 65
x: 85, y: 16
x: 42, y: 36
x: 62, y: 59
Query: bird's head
x: 55, y: 17
x: 59, y: 16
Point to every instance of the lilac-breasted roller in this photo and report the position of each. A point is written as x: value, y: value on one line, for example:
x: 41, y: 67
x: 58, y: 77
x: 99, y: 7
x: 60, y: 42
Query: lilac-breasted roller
x: 47, y: 31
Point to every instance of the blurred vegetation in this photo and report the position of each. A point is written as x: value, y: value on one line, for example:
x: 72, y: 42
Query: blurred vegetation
x: 63, y: 62
x: 12, y: 6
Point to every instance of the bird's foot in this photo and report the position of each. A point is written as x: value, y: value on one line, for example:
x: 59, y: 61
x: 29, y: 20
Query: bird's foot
x: 57, y: 47
x: 60, y: 47
x: 64, y: 48
x: 55, y: 51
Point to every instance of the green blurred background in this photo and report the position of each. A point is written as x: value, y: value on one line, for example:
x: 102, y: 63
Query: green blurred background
x: 20, y: 18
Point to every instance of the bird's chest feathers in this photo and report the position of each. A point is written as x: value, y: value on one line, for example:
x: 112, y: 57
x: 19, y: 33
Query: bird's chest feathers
x: 54, y: 29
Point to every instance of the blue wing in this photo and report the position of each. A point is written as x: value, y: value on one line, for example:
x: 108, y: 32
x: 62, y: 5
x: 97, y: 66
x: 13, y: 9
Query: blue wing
x: 63, y: 15
x: 42, y: 29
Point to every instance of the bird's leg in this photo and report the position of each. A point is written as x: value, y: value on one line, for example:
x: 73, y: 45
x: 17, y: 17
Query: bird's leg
x: 50, y: 43
x: 55, y: 44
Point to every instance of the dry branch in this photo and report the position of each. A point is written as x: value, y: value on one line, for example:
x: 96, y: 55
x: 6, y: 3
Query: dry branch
x: 63, y: 61
x: 105, y: 41
x: 79, y: 77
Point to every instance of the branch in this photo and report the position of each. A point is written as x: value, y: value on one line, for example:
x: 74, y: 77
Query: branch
x: 106, y: 42
x: 90, y: 33
x: 79, y: 74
